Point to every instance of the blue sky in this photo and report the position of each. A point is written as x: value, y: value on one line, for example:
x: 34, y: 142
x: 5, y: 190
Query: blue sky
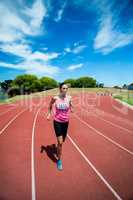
x: 67, y: 39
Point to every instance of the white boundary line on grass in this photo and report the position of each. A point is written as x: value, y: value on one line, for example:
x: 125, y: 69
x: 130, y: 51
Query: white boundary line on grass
x: 124, y: 104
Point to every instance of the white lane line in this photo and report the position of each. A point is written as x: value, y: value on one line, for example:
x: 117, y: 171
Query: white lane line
x: 13, y: 119
x: 95, y: 170
x: 113, y: 124
x: 33, y: 186
x: 116, y: 117
x: 7, y: 105
x: 7, y: 111
x: 107, y: 138
x: 116, y: 125
x: 120, y: 119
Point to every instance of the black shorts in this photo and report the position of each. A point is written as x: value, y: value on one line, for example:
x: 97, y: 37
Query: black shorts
x: 60, y: 128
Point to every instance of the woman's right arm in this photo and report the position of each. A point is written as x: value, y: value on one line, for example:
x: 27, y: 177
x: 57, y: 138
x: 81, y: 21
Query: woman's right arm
x: 50, y: 108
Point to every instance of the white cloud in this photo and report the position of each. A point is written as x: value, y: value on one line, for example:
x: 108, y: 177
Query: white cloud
x: 10, y: 23
x: 43, y: 56
x: 34, y: 62
x: 68, y: 50
x: 60, y: 12
x: 76, y: 44
x: 76, y: 49
x: 18, y: 49
x: 37, y: 13
x: 33, y: 67
x: 16, y: 25
x: 7, y: 35
x: 109, y: 39
x: 45, y: 48
x: 24, y: 50
x: 109, y: 36
x: 39, y: 68
x: 74, y: 67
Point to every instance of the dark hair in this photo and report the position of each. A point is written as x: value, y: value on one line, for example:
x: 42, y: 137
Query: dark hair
x: 61, y: 84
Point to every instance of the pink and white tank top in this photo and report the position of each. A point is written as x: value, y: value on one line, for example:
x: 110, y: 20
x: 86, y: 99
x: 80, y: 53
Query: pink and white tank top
x: 62, y: 108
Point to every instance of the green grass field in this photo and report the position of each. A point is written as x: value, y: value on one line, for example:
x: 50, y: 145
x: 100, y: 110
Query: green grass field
x: 125, y: 96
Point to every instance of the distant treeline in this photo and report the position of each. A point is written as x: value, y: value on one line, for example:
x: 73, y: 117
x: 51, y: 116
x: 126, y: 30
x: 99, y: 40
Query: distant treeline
x: 27, y: 83
x: 125, y: 86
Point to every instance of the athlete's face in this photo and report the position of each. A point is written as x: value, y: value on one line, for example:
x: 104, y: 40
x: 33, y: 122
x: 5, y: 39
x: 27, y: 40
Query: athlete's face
x: 64, y: 89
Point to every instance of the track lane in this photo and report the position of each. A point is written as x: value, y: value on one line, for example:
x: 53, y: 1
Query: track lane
x: 117, y: 120
x: 109, y: 118
x: 77, y: 180
x: 105, y: 105
x: 108, y: 104
x: 118, y: 135
x: 15, y: 168
x: 50, y: 183
x: 4, y: 107
x: 105, y: 110
x: 112, y: 162
x: 6, y: 111
x: 8, y: 116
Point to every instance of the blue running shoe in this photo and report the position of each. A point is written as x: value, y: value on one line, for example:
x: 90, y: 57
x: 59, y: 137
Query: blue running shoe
x: 59, y: 165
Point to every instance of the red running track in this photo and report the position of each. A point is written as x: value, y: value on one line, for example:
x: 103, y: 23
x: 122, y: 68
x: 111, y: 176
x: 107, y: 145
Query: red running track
x: 93, y: 166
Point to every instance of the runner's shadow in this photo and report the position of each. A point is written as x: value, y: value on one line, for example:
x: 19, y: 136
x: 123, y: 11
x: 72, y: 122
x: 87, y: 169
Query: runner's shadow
x: 50, y: 150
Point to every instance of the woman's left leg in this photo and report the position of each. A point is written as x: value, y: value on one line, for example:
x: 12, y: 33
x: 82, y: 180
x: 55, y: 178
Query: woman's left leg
x: 59, y: 152
x: 61, y: 136
x: 59, y: 146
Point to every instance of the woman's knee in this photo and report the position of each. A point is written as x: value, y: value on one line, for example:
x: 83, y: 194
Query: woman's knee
x: 60, y: 140
x: 60, y: 143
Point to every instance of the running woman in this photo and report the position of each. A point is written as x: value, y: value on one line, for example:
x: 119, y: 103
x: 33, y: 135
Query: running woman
x: 63, y: 106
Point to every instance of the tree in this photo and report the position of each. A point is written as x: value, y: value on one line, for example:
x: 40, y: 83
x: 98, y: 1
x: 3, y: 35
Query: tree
x: 117, y: 87
x: 24, y: 83
x: 101, y: 85
x: 70, y: 81
x: 13, y: 91
x: 36, y: 86
x: 48, y: 83
x: 85, y: 82
x: 130, y: 86
x: 124, y: 86
x: 5, y: 85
